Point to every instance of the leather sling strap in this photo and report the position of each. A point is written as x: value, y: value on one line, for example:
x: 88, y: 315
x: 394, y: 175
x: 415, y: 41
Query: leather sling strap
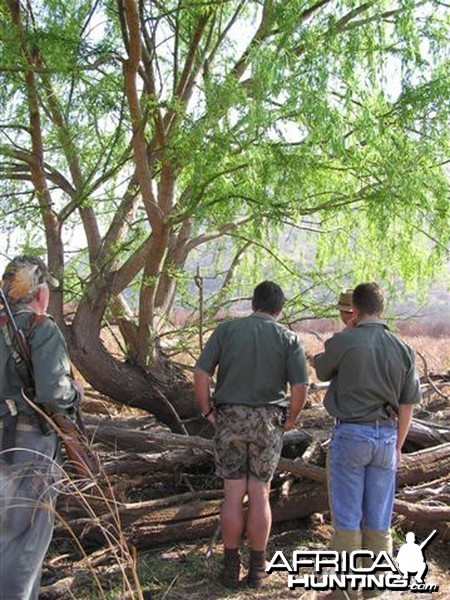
x: 11, y: 417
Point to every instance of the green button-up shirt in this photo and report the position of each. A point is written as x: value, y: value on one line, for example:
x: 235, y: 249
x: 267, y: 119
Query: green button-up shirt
x: 370, y: 368
x: 257, y: 358
x: 51, y: 367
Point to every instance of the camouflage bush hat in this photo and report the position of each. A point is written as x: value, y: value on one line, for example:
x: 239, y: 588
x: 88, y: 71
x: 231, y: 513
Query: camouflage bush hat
x: 345, y: 301
x: 23, y: 276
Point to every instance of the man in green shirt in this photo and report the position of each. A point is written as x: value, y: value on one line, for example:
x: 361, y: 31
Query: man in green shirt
x: 29, y: 457
x: 374, y: 377
x: 256, y: 359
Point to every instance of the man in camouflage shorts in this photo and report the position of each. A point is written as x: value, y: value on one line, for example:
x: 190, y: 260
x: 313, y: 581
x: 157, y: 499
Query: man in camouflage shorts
x: 248, y: 442
x: 256, y: 359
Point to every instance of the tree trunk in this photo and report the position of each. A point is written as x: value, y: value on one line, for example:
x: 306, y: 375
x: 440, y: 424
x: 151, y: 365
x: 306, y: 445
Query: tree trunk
x: 135, y: 386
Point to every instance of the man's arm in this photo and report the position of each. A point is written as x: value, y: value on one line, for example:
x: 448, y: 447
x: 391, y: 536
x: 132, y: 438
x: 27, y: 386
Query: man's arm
x: 409, y: 396
x: 404, y: 421
x: 298, y: 399
x: 203, y: 394
x: 54, y: 387
x: 326, y: 363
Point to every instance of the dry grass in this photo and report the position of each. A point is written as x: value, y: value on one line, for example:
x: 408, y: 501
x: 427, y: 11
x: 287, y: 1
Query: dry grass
x: 183, y: 572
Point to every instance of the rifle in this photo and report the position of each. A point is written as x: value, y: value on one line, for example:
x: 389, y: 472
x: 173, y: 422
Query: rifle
x: 80, y: 456
x: 84, y: 461
x: 8, y: 317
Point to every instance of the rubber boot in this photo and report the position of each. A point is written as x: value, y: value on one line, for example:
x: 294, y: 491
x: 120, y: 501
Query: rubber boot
x: 346, y: 540
x: 257, y: 568
x: 377, y: 541
x: 231, y: 568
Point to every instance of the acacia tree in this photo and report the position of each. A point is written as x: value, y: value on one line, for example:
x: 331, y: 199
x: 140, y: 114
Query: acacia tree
x: 159, y: 127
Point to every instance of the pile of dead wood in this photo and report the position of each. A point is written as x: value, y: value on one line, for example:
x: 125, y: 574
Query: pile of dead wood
x: 158, y: 487
x: 165, y: 488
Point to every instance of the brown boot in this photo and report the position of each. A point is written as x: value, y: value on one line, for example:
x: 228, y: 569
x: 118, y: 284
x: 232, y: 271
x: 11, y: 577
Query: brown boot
x: 231, y: 568
x: 257, y: 568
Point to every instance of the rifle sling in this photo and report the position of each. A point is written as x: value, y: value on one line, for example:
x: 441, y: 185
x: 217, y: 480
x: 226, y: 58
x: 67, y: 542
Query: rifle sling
x: 26, y: 375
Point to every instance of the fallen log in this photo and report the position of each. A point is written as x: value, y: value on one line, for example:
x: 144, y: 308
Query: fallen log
x: 436, y: 490
x: 67, y: 587
x: 187, y: 517
x: 423, y: 518
x: 138, y: 434
x: 301, y: 500
x: 195, y: 514
x: 421, y: 512
x: 423, y: 434
x: 141, y: 464
x: 424, y: 465
x: 131, y: 435
x: 296, y: 467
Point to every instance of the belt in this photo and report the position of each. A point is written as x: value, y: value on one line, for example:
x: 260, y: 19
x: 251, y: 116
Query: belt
x: 379, y: 422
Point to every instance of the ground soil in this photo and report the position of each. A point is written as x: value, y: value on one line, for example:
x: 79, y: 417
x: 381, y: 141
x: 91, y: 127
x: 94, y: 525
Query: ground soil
x: 189, y: 575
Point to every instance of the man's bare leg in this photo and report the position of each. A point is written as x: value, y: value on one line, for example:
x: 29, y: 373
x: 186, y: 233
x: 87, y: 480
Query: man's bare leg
x: 259, y: 517
x: 232, y: 525
x: 232, y: 512
x: 259, y: 521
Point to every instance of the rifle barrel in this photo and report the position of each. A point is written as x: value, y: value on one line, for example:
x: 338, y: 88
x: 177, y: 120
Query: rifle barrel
x: 18, y: 334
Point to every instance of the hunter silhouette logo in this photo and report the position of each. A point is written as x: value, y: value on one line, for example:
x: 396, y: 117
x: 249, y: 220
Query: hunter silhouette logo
x: 360, y: 569
x: 410, y: 557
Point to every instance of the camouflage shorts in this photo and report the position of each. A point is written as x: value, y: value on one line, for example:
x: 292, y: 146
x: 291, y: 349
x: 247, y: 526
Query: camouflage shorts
x: 248, y: 441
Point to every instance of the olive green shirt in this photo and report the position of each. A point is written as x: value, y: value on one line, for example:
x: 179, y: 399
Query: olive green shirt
x: 257, y: 358
x: 370, y: 368
x: 51, y: 367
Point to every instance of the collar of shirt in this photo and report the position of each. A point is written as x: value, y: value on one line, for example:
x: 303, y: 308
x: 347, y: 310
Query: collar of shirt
x: 263, y: 315
x: 372, y: 321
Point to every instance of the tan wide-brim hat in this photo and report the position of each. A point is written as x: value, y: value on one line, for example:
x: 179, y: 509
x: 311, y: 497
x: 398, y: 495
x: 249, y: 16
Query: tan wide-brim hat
x: 345, y: 301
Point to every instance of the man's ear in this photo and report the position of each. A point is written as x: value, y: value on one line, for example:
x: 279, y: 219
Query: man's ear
x: 42, y: 298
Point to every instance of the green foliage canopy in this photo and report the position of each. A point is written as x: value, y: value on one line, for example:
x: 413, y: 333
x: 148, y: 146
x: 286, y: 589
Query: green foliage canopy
x: 158, y: 129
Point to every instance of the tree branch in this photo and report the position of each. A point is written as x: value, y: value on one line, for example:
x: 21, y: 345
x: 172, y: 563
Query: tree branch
x: 131, y: 66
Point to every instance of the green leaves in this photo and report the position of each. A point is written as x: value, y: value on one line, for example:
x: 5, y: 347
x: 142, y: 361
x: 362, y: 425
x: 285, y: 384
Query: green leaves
x: 258, y: 118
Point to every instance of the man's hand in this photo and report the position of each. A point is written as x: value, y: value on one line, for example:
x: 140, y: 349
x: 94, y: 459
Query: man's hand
x: 202, y: 392
x: 351, y: 323
x: 212, y: 419
x: 405, y: 412
x: 289, y: 424
x: 298, y: 399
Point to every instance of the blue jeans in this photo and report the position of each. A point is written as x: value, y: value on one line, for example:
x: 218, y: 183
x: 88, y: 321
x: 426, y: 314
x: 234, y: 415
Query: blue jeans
x: 362, y: 465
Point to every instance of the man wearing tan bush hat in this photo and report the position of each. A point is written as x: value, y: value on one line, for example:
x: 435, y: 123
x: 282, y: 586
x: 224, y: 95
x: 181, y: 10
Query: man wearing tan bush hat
x: 345, y: 307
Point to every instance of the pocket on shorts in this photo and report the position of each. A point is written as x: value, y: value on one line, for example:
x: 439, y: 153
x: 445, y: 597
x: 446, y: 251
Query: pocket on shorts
x: 279, y: 417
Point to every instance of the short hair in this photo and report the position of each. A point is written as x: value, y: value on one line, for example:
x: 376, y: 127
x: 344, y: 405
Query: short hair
x: 268, y: 297
x: 368, y: 298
